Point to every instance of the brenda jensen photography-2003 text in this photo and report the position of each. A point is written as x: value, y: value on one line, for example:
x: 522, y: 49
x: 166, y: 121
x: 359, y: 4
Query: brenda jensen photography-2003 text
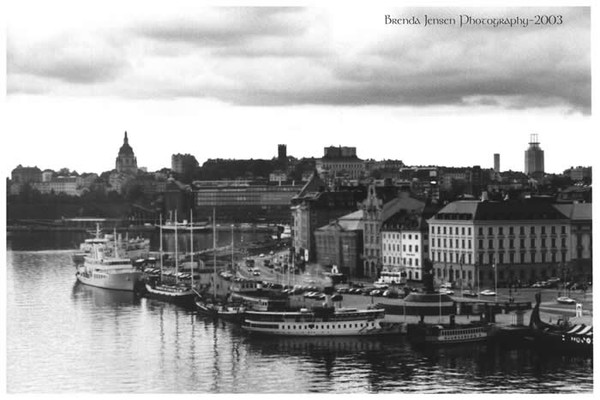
x: 465, y: 20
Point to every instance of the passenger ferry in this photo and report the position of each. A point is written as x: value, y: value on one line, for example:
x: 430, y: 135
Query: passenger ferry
x: 132, y: 249
x: 108, y: 272
x: 446, y: 334
x: 321, y: 321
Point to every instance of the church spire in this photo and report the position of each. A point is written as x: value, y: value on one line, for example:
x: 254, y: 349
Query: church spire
x: 125, y: 140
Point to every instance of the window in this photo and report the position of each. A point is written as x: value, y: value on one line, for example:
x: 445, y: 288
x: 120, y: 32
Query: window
x: 553, y: 230
x: 416, y: 248
x: 501, y: 243
x: 543, y: 230
x: 532, y: 230
x: 470, y: 258
x: 522, y: 243
x: 469, y: 231
x: 480, y: 230
x: 450, y: 230
x: 532, y: 243
x: 490, y: 244
x: 444, y: 230
x: 462, y: 230
x: 439, y: 242
x: 563, y: 229
x: 481, y: 243
x: 500, y: 231
x: 522, y: 230
x: 511, y: 231
x: 543, y: 243
x: 511, y: 243
x: 490, y: 231
x: 463, y: 244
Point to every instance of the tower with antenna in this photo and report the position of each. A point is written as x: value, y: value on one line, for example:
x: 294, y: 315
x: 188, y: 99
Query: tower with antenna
x: 534, y: 157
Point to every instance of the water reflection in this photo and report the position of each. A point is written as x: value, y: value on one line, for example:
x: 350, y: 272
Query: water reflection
x: 99, y: 297
x: 63, y: 336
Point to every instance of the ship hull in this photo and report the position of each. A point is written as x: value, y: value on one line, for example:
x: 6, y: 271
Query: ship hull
x: 115, y: 281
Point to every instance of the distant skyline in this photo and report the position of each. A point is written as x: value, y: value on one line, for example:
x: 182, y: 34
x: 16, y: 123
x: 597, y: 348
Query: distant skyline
x: 235, y: 82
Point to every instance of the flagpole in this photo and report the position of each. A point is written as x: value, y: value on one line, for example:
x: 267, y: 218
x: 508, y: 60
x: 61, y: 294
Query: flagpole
x: 495, y: 281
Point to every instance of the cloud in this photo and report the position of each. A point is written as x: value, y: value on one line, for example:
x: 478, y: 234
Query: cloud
x: 296, y: 56
x: 79, y: 59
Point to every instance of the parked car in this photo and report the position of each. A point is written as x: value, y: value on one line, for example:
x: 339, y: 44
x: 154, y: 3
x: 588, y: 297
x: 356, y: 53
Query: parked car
x: 469, y: 293
x: 446, y: 291
x: 565, y: 300
x: 487, y: 292
x: 337, y: 297
x: 392, y: 294
x: 375, y: 292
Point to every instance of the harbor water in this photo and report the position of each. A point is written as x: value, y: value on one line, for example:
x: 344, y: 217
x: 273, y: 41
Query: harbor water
x: 64, y: 337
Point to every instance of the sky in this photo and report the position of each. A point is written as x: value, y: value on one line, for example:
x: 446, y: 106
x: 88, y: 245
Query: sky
x: 234, y: 82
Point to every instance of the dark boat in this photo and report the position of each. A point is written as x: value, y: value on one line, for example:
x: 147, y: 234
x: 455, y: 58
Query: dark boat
x: 563, y: 336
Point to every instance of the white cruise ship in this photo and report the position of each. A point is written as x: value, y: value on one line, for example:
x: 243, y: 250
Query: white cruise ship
x: 107, y: 271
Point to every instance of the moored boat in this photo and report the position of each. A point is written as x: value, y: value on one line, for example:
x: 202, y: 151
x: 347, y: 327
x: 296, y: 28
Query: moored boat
x: 108, y: 272
x: 132, y: 249
x: 319, y: 321
x: 562, y: 336
x: 449, y: 333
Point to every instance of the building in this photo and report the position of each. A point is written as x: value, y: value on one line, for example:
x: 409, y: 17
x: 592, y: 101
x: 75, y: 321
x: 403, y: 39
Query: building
x: 183, y: 164
x: 69, y: 185
x: 579, y: 174
x: 497, y: 163
x: 405, y: 240
x: 313, y: 207
x: 26, y: 174
x: 340, y: 162
x: 278, y: 176
x: 126, y: 162
x: 580, y: 241
x: 240, y: 200
x: 478, y: 243
x: 340, y: 243
x: 534, y: 158
x: 282, y: 152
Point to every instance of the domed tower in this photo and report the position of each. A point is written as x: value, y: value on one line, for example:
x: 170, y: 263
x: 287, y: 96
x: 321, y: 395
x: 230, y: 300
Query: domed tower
x: 126, y: 161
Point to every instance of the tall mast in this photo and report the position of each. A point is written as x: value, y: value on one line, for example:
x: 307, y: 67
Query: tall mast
x: 232, y: 265
x: 116, y: 243
x: 214, y: 256
x: 192, y: 247
x: 161, y: 247
x: 176, y: 256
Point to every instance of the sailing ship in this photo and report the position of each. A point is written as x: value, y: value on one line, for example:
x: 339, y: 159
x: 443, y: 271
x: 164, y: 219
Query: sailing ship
x: 180, y: 293
x: 203, y: 302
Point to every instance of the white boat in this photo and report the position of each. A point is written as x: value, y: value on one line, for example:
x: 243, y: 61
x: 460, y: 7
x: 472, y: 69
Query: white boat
x: 323, y: 321
x: 184, y: 226
x: 108, y: 272
x: 129, y: 248
x: 447, y: 334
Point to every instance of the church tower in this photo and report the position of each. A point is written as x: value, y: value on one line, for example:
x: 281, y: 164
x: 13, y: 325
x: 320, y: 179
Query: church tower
x: 126, y: 161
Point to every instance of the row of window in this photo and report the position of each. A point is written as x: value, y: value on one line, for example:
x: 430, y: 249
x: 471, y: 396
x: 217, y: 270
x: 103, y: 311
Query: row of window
x: 396, y: 261
x: 443, y: 230
x: 452, y: 243
x: 396, y: 247
x: 449, y: 230
x: 511, y: 243
x: 500, y: 258
x: 338, y: 326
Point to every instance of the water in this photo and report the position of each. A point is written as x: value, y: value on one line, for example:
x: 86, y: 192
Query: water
x: 67, y: 337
